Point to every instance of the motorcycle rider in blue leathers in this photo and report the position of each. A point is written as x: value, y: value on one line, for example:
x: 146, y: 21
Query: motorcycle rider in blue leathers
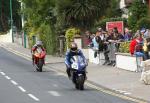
x: 69, y: 54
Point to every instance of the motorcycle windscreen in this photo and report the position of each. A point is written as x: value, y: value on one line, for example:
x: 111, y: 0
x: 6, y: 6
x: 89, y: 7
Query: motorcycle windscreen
x: 78, y: 63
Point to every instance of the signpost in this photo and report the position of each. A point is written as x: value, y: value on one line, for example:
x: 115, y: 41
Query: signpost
x: 115, y: 24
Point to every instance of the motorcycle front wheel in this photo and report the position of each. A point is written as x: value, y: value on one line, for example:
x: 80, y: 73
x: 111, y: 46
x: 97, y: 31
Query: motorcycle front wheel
x: 40, y: 64
x: 80, y: 83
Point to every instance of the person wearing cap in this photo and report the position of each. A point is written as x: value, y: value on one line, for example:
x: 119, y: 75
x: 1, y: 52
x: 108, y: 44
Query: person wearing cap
x: 70, y: 53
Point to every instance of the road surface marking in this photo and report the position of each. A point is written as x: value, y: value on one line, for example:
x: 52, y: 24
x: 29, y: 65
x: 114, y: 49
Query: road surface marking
x: 15, y: 83
x: 7, y: 77
x: 54, y: 93
x: 122, y: 91
x: 22, y: 89
x: 127, y: 93
x: 114, y: 94
x: 2, y: 73
x: 33, y: 97
x: 55, y: 85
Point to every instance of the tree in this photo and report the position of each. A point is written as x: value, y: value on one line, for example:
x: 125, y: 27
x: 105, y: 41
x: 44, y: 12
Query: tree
x: 81, y: 13
x: 40, y: 20
x: 137, y: 11
x: 5, y: 14
x: 48, y: 18
x: 114, y: 9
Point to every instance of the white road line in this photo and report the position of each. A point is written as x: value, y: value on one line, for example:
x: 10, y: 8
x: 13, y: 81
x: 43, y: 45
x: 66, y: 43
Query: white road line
x: 121, y: 91
x: 2, y: 73
x: 54, y: 93
x: 7, y: 77
x: 15, y: 83
x: 22, y: 89
x: 33, y: 97
x: 55, y: 85
x: 127, y: 93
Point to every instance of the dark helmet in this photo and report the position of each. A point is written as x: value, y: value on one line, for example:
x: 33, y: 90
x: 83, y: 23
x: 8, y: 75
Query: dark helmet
x: 73, y: 47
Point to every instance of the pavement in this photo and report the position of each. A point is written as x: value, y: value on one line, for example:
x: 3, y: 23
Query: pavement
x: 118, y: 80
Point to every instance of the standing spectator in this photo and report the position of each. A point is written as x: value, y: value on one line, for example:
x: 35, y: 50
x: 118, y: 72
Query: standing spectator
x: 114, y: 40
x: 88, y: 38
x: 106, y: 48
x: 127, y: 35
x: 146, y: 48
x: 142, y: 32
x: 95, y: 42
x: 136, y: 47
x: 145, y: 32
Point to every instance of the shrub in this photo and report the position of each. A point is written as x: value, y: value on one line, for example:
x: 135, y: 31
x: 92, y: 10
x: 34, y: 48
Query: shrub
x: 70, y: 33
x: 124, y: 47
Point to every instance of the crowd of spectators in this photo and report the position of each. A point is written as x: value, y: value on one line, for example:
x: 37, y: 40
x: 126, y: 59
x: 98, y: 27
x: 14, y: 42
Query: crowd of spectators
x: 108, y: 42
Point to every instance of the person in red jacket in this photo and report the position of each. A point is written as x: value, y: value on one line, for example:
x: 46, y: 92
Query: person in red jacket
x: 136, y: 44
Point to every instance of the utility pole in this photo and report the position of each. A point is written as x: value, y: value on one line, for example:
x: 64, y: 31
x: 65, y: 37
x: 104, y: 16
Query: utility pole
x: 11, y: 21
x: 22, y: 20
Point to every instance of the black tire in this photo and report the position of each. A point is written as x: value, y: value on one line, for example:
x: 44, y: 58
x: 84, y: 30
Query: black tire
x: 81, y: 82
x: 76, y: 86
x: 40, y: 64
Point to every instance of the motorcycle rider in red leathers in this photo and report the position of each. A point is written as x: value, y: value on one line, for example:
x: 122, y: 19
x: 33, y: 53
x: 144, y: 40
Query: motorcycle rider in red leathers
x: 38, y: 45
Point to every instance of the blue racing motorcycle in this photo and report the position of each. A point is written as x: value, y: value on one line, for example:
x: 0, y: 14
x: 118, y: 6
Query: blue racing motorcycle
x: 78, y: 72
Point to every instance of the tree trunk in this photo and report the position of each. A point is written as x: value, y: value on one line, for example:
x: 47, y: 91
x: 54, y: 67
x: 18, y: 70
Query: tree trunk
x: 3, y: 17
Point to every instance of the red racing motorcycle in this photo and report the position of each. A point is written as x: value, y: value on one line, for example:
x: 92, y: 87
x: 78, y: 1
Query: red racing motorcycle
x: 39, y: 59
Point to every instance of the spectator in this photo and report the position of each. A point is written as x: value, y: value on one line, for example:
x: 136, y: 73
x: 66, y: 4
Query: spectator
x: 114, y: 40
x: 95, y: 42
x: 142, y: 31
x: 136, y: 46
x: 127, y: 35
x: 106, y: 48
x: 146, y: 48
x: 88, y: 38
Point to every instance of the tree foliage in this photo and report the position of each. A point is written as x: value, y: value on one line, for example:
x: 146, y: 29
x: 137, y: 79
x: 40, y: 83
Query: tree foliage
x: 5, y: 14
x: 81, y: 13
x: 137, y: 11
x: 143, y: 23
x: 49, y: 18
x: 40, y: 20
x: 114, y: 9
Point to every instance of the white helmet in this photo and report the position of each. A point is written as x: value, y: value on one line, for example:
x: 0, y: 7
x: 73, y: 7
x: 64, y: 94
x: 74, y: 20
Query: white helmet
x: 39, y: 43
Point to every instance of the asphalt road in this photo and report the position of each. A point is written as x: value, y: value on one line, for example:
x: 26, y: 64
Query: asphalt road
x: 20, y: 84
